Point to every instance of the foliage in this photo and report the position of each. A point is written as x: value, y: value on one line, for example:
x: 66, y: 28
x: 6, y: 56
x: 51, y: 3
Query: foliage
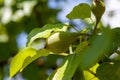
x: 86, y: 53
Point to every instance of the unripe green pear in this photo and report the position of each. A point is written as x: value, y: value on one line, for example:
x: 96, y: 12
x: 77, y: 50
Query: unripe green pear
x: 98, y: 8
x: 59, y: 42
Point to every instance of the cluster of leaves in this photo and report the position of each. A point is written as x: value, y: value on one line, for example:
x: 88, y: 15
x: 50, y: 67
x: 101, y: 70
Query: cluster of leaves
x: 87, y: 52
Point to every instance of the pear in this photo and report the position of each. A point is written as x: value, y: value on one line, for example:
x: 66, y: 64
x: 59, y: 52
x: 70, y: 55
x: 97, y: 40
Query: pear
x: 59, y: 42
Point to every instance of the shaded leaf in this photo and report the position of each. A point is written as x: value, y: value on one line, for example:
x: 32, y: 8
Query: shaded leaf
x: 34, y: 72
x: 80, y: 11
x: 116, y: 32
x: 109, y: 71
x: 44, y: 32
x: 99, y: 45
x: 1, y: 73
x: 78, y: 75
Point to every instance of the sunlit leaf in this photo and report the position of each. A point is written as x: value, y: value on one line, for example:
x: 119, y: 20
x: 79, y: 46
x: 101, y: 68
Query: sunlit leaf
x: 29, y: 59
x: 25, y: 57
x: 99, y: 45
x: 109, y: 71
x: 18, y: 60
x: 80, y: 11
x: 91, y: 75
x: 44, y: 32
x: 67, y: 69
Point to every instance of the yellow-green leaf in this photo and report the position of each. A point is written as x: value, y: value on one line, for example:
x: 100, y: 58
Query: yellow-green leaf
x: 91, y: 76
x: 29, y: 59
x: 25, y: 57
x: 67, y: 69
x: 44, y: 32
x: 18, y: 60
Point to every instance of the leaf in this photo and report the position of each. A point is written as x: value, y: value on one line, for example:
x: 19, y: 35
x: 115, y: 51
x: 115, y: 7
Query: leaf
x: 33, y: 72
x: 78, y: 75
x: 90, y: 76
x: 99, y: 45
x: 28, y: 60
x: 80, y: 11
x: 116, y: 32
x: 25, y: 57
x: 18, y: 60
x: 44, y: 32
x: 67, y: 69
x: 109, y: 71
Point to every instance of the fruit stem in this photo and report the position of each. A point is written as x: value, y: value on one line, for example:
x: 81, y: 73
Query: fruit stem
x: 70, y: 49
x: 95, y: 28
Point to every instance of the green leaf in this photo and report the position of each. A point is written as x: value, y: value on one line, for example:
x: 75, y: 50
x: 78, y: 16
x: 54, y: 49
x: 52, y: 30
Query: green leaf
x: 25, y: 57
x: 91, y: 75
x: 18, y: 60
x: 116, y: 32
x: 78, y: 75
x: 109, y: 71
x: 99, y: 45
x: 67, y: 69
x: 33, y: 72
x: 80, y: 11
x: 2, y: 73
x: 44, y: 32
x: 29, y: 59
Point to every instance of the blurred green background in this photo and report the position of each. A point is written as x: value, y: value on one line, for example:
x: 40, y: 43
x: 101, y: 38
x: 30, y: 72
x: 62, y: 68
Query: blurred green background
x: 17, y: 19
